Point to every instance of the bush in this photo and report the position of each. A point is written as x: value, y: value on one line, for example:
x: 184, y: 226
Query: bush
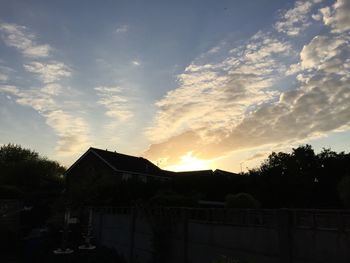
x: 224, y: 259
x: 172, y: 199
x: 10, y: 192
x: 241, y: 200
x: 344, y: 191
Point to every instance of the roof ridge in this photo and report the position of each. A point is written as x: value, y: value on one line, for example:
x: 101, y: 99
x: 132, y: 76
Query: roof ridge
x: 115, y: 152
x: 103, y: 159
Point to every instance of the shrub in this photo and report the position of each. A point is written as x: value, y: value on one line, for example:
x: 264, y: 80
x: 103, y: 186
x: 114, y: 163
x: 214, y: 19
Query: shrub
x: 10, y: 192
x: 241, y: 200
x: 344, y: 191
x: 225, y: 259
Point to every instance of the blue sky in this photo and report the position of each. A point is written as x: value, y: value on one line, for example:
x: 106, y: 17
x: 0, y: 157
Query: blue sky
x: 187, y: 84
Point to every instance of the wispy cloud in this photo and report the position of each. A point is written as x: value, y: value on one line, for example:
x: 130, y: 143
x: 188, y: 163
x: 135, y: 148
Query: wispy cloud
x: 337, y: 16
x: 136, y: 63
x: 3, y: 77
x: 48, y: 72
x: 122, y: 29
x: 214, y: 97
x: 258, y: 155
x: 19, y: 37
x: 116, y: 104
x: 297, y: 19
x: 72, y: 130
x: 237, y: 104
x: 5, y: 72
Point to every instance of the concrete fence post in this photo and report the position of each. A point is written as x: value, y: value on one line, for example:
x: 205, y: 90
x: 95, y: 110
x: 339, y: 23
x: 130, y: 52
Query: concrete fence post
x: 284, y: 235
x: 132, y: 234
x: 100, y: 227
x: 185, y: 235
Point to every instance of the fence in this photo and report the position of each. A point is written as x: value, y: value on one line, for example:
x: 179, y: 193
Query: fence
x: 196, y: 235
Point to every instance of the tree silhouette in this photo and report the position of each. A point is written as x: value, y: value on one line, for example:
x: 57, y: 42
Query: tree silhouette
x: 302, y: 178
x: 28, y: 174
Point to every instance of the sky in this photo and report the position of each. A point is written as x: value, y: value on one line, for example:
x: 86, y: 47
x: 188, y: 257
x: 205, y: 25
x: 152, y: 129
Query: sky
x: 188, y: 85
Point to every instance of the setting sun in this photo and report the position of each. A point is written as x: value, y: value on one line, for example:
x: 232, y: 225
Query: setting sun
x: 189, y: 163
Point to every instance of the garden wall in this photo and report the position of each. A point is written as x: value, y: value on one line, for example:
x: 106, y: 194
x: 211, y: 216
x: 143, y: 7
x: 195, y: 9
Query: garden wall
x: 180, y: 235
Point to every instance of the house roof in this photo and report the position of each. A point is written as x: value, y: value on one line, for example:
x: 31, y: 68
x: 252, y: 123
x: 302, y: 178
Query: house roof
x: 122, y: 162
x: 225, y: 173
x: 125, y: 162
x: 217, y: 172
x: 196, y: 173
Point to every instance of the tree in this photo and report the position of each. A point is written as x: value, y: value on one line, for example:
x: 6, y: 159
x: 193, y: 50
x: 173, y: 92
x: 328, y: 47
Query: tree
x: 29, y: 173
x: 344, y: 191
x: 241, y: 200
x: 302, y: 178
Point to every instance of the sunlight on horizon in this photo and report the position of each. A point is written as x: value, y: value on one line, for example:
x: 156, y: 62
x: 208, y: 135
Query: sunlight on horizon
x: 189, y: 163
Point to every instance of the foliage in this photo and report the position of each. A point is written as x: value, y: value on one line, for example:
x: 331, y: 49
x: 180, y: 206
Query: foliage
x: 344, y: 191
x: 24, y: 171
x: 98, y: 255
x: 225, y: 259
x: 302, y: 178
x: 299, y: 179
x: 241, y: 200
x: 170, y: 198
x: 33, y: 179
x: 10, y: 192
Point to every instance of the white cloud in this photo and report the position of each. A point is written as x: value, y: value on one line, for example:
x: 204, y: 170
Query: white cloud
x: 122, y: 29
x: 116, y: 104
x: 327, y: 53
x: 48, y: 72
x: 37, y: 51
x: 236, y: 104
x: 320, y: 106
x: 3, y: 77
x: 19, y: 37
x: 136, y: 63
x: 213, y: 97
x: 297, y: 19
x: 293, y: 69
x: 9, y: 89
x: 337, y: 16
x: 52, y: 89
x: 72, y: 131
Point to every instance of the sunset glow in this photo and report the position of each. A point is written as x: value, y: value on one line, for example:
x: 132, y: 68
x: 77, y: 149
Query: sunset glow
x: 189, y: 163
x: 186, y: 82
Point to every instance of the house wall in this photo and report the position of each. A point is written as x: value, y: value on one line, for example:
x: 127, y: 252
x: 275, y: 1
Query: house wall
x: 203, y: 235
x: 89, y: 172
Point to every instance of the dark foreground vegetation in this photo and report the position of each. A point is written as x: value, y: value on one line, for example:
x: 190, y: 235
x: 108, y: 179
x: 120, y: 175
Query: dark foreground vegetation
x: 300, y: 179
x: 35, y: 188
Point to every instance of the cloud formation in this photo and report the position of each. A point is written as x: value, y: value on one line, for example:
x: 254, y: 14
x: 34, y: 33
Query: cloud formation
x: 136, y: 63
x: 20, y: 38
x: 122, y: 29
x: 297, y: 19
x: 72, y: 130
x: 214, y: 97
x: 337, y: 16
x: 115, y: 103
x: 237, y: 103
x: 48, y: 72
x: 3, y: 77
